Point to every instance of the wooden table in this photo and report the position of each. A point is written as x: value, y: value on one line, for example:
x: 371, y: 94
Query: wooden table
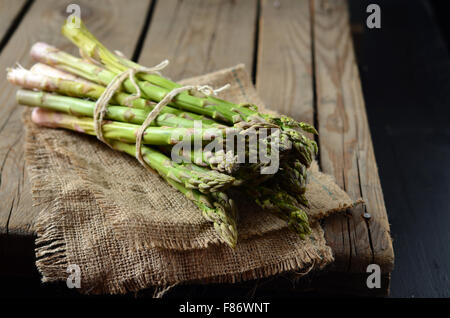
x: 301, y: 57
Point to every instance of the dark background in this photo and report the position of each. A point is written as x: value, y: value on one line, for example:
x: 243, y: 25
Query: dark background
x: 405, y: 73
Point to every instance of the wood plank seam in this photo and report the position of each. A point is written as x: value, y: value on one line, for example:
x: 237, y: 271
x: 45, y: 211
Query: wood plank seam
x: 148, y: 20
x: 195, y: 36
x: 313, y: 77
x: 284, y: 72
x: 256, y: 41
x: 14, y: 24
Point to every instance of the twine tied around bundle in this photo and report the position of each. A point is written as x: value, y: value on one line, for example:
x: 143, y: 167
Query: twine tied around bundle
x: 101, y: 105
x: 205, y: 89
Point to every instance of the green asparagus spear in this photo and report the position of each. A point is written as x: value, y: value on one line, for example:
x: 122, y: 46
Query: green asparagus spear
x: 50, y: 55
x: 217, y: 208
x: 87, y: 42
x: 158, y: 136
x: 85, y: 89
x: 91, y: 46
x: 203, y: 180
x: 278, y: 201
x: 192, y: 179
x: 293, y: 176
x: 221, y: 160
x: 82, y: 107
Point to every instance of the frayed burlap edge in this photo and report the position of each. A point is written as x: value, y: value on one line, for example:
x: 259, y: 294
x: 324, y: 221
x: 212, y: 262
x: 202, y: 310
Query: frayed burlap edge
x: 309, y: 260
x: 51, y: 258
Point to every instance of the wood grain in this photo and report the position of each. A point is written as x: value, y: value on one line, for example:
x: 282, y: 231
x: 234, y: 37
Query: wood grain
x: 42, y: 23
x: 346, y: 149
x: 200, y: 36
x: 8, y: 12
x: 284, y: 70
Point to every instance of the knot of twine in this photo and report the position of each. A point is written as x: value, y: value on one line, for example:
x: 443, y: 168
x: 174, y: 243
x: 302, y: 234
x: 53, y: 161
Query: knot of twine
x: 205, y: 89
x: 101, y: 105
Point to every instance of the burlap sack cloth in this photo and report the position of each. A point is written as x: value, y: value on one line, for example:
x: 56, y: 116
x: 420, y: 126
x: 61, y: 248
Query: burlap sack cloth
x: 127, y: 229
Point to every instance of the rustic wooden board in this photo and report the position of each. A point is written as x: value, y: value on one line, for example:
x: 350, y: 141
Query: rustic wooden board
x: 302, y: 45
x: 8, y: 12
x: 346, y: 149
x: 284, y: 72
x: 42, y: 23
x: 200, y: 36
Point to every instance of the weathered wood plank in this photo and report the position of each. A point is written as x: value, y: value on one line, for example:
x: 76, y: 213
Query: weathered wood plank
x: 8, y: 12
x: 284, y: 70
x: 200, y: 36
x: 346, y: 149
x: 43, y: 23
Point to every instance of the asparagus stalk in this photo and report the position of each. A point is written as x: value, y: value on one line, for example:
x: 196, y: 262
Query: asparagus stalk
x: 192, y: 179
x: 203, y: 180
x: 249, y: 113
x: 158, y: 136
x: 120, y: 97
x: 304, y: 147
x: 50, y: 55
x: 81, y: 107
x: 224, y: 161
x: 284, y: 205
x: 293, y: 177
x: 216, y: 208
x: 72, y: 86
x: 91, y: 46
x: 47, y: 70
x: 171, y: 131
x: 221, y: 160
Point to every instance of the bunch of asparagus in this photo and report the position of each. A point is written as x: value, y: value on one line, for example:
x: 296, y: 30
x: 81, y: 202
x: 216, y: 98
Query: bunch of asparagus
x: 64, y: 89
